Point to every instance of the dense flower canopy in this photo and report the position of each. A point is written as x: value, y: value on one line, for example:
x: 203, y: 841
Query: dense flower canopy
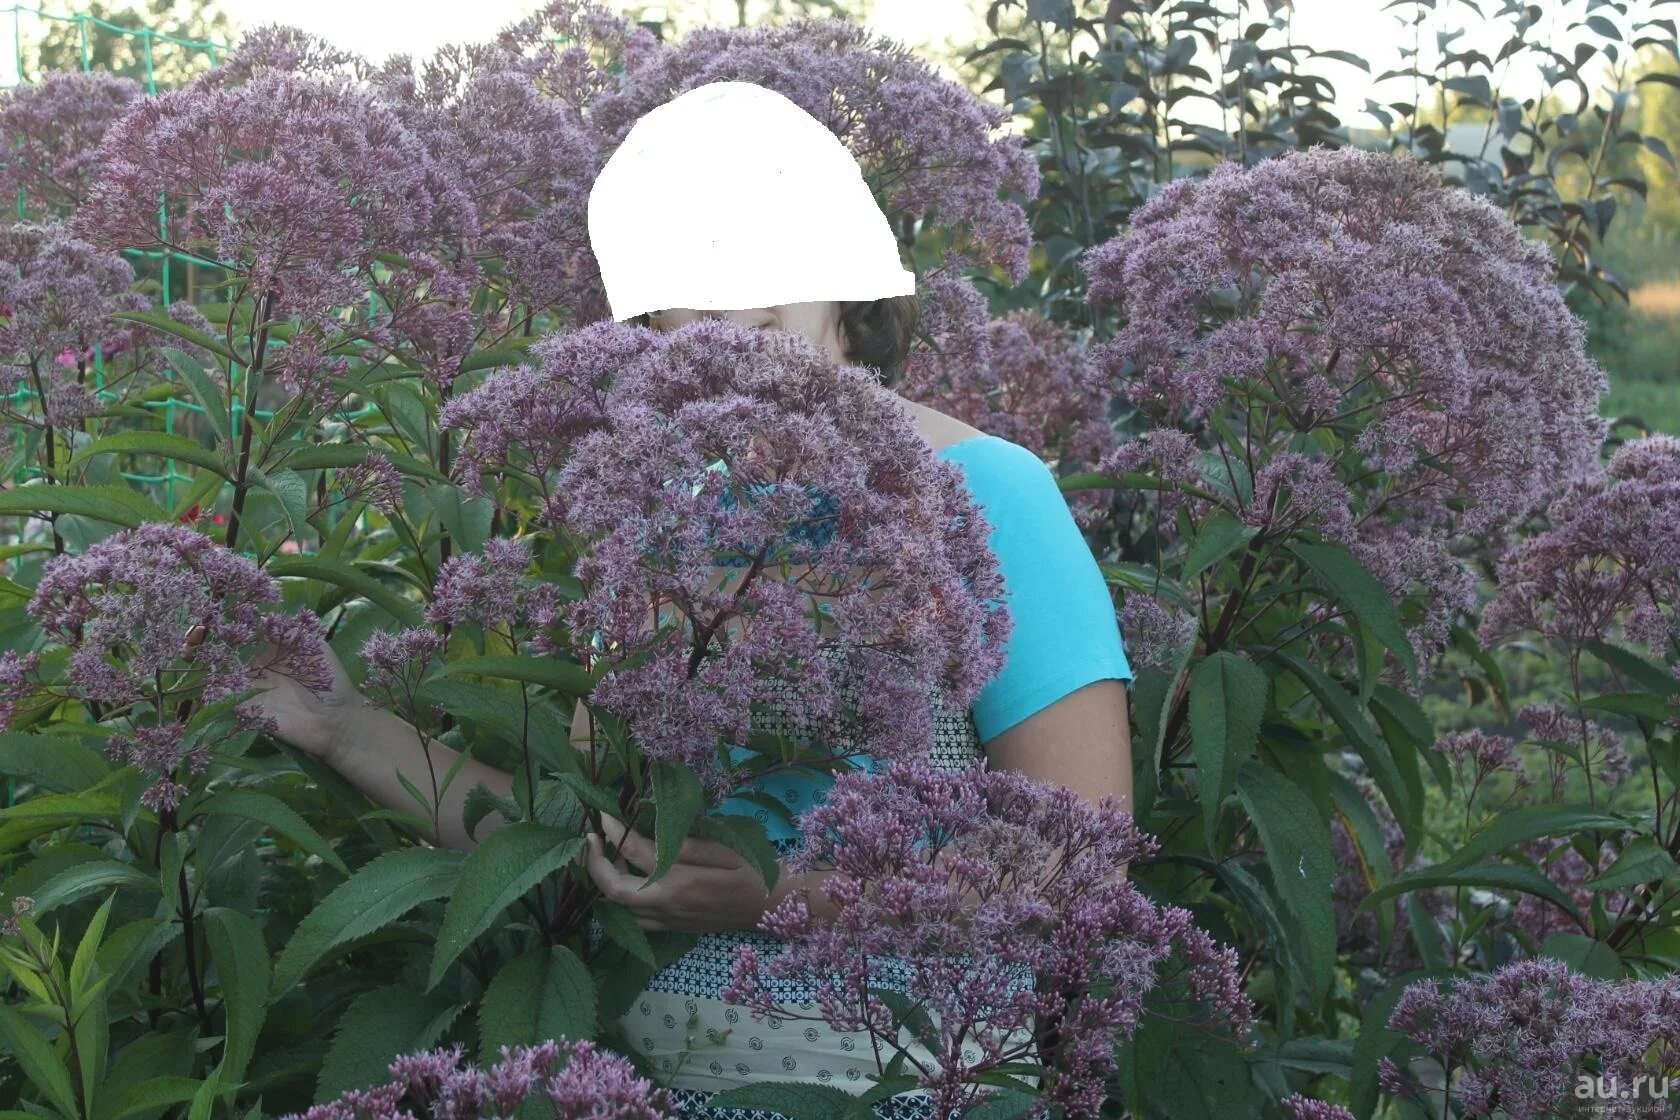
x: 995, y: 899
x: 773, y: 514
x: 53, y: 131
x: 925, y: 143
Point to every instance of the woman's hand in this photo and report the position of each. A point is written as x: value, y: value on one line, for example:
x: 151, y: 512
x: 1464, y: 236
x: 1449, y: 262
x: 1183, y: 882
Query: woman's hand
x: 710, y: 888
x: 310, y: 721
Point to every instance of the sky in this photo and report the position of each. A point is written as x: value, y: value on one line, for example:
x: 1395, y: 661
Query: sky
x: 377, y: 28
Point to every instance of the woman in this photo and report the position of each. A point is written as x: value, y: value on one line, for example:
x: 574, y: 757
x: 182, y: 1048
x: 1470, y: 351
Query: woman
x: 770, y: 200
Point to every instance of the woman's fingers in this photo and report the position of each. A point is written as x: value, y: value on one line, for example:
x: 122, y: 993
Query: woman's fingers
x: 615, y: 880
x: 641, y: 851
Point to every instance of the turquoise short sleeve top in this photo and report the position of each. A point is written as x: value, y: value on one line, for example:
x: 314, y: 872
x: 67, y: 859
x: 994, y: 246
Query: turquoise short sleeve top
x: 1064, y: 636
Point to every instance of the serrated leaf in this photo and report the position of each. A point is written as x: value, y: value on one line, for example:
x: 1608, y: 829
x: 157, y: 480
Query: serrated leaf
x: 1496, y: 876
x: 1397, y: 787
x: 1220, y: 535
x: 241, y: 957
x: 53, y: 761
x: 563, y: 676
x: 150, y: 1095
x: 621, y: 928
x: 276, y: 815
x: 496, y: 874
x: 1297, y: 847
x: 376, y: 895
x: 1227, y: 704
x: 160, y: 321
x: 37, y: 1060
x: 378, y: 1027
x: 1642, y: 861
x: 342, y: 575
x: 116, y: 505
x: 547, y: 993
x: 1346, y: 578
x: 161, y: 444
x: 290, y: 491
x: 677, y: 801
x: 746, y: 838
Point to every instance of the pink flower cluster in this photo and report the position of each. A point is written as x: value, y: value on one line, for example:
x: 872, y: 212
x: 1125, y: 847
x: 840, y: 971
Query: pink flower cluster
x: 1608, y: 562
x: 1517, y: 1040
x: 59, y: 293
x: 992, y: 899
x: 53, y: 130
x: 925, y: 142
x: 850, y: 554
x: 1022, y: 377
x: 161, y: 614
x: 1383, y: 357
x: 571, y: 1078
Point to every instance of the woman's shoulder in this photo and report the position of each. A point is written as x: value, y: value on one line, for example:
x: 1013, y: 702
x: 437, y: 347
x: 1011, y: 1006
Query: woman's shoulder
x: 1003, y: 474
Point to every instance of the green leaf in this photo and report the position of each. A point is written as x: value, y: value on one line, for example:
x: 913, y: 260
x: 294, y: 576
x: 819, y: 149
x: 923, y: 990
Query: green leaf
x: 1516, y: 826
x: 1227, y: 703
x: 1649, y: 676
x: 1357, y: 589
x: 1220, y: 535
x: 563, y: 676
x: 1375, y: 1040
x: 793, y: 1100
x: 52, y: 761
x: 1584, y: 954
x: 332, y: 456
x: 378, y: 1027
x: 116, y: 505
x: 87, y: 950
x: 276, y: 815
x: 154, y: 1094
x: 292, y: 493
x: 203, y: 387
x: 1297, y: 847
x: 160, y: 321
x: 1402, y: 791
x: 1495, y: 876
x: 621, y: 927
x: 343, y: 575
x: 376, y: 895
x: 37, y: 1060
x: 1642, y: 861
x: 236, y: 945
x: 466, y: 519
x: 1640, y: 705
x: 92, y: 877
x: 677, y: 801
x: 161, y: 444
x: 496, y: 874
x: 747, y: 838
x: 547, y: 993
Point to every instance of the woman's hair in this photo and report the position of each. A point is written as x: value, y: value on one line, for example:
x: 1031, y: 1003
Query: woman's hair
x: 878, y: 333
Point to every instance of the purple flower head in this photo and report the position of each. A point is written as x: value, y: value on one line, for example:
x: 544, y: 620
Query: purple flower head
x: 1520, y: 1038
x: 1354, y: 293
x: 988, y: 899
x: 1022, y: 377
x: 374, y: 480
x: 54, y: 129
x: 396, y: 662
x: 1305, y: 1108
x: 293, y: 183
x: 1608, y: 564
x: 166, y: 603
x: 59, y: 293
x: 571, y: 1078
x: 752, y: 515
x: 21, y: 905
x: 925, y: 142
x: 493, y: 590
x: 16, y: 669
x: 527, y: 157
x: 1157, y: 634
